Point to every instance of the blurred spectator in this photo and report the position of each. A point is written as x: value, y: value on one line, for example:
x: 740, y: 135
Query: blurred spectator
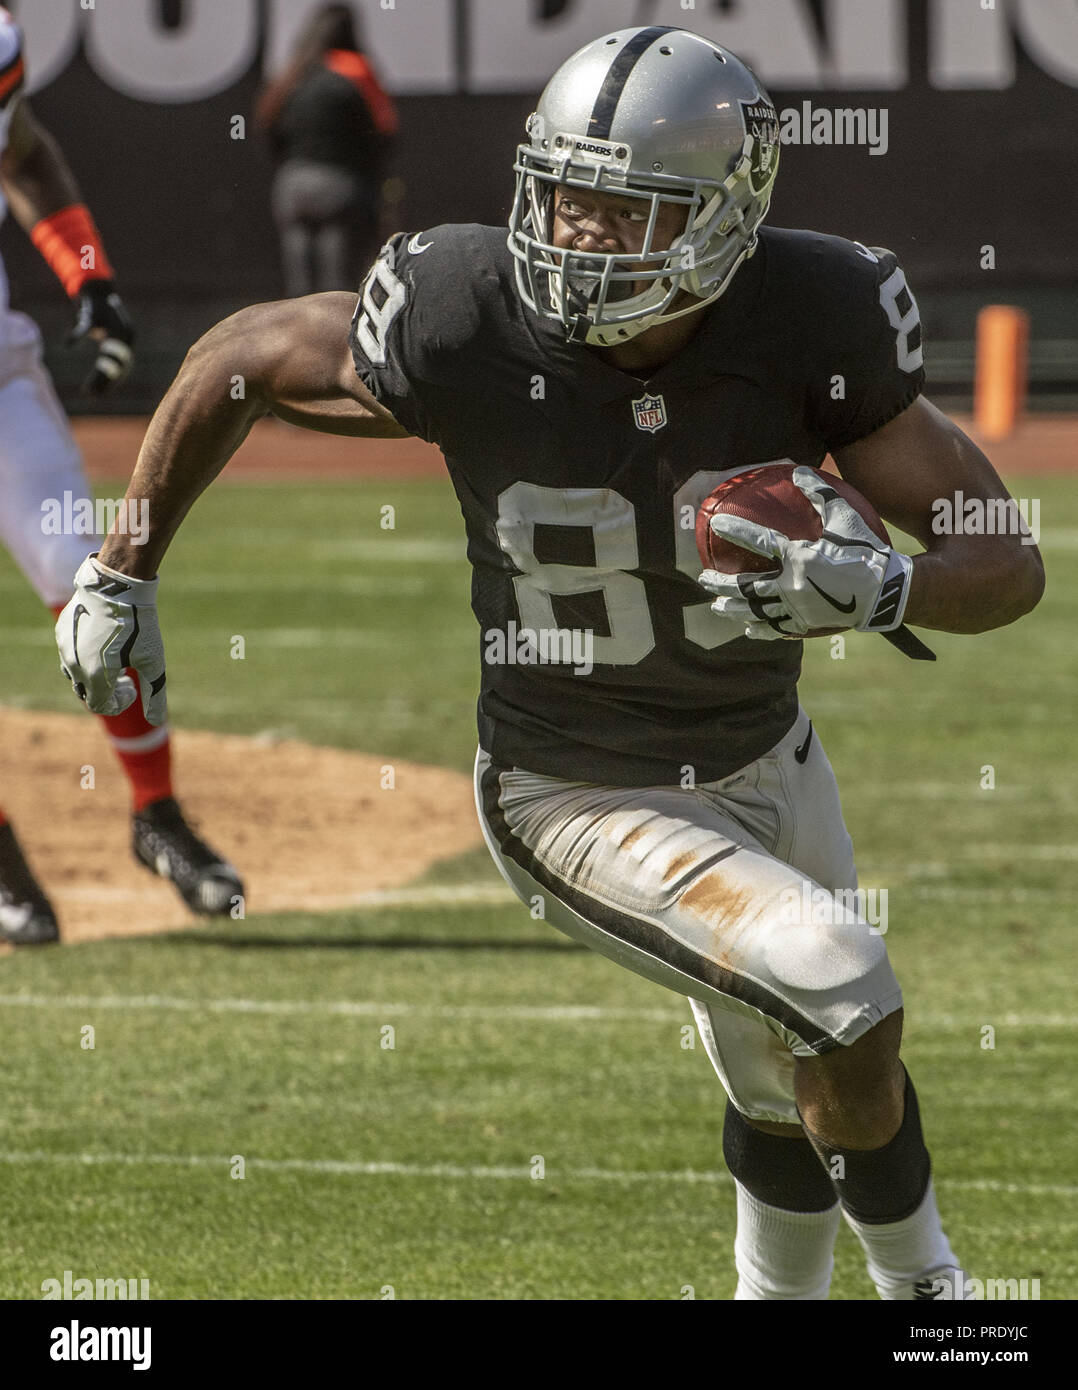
x: 331, y: 126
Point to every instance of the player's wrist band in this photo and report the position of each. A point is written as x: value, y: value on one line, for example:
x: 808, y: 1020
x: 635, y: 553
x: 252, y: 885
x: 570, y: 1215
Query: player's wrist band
x: 71, y: 246
x: 890, y: 606
x: 113, y: 584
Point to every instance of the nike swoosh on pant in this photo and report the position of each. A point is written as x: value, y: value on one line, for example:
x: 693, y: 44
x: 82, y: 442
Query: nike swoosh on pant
x: 802, y: 753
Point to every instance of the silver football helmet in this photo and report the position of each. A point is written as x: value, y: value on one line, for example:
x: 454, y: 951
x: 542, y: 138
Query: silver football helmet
x: 659, y: 114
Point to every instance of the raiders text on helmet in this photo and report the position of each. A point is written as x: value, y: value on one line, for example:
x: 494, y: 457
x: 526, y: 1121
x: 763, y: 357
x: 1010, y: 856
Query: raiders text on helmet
x: 663, y: 115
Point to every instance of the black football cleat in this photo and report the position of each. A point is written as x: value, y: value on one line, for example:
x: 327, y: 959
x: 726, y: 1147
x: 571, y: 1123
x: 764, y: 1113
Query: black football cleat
x: 26, y: 915
x: 167, y: 846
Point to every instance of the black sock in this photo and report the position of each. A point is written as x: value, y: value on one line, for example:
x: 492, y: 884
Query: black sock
x: 781, y: 1172
x: 881, y: 1186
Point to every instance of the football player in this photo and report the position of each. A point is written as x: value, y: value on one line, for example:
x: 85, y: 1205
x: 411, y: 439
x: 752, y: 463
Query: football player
x: 40, y: 463
x: 639, y: 338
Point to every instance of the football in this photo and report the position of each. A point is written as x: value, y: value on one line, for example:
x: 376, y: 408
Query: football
x: 769, y: 496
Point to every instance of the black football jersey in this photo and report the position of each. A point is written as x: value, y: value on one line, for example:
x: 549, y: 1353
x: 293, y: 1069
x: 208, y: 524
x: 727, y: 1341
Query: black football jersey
x: 601, y: 658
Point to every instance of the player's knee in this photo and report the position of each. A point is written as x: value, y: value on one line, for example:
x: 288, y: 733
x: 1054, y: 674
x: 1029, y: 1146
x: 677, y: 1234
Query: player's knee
x: 867, y: 1065
x: 880, y: 1044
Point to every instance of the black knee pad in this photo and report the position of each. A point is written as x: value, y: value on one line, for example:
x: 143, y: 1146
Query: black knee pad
x: 881, y: 1186
x: 784, y: 1173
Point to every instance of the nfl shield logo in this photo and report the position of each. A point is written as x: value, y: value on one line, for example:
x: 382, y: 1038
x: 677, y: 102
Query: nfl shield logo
x: 649, y: 413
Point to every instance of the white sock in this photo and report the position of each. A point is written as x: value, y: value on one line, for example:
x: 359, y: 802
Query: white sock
x: 783, y: 1254
x: 906, y: 1252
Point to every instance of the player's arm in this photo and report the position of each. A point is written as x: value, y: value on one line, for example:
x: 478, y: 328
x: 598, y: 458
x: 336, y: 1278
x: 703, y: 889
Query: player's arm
x: 44, y: 198
x: 962, y: 583
x: 292, y: 359
x: 905, y: 468
x: 36, y: 178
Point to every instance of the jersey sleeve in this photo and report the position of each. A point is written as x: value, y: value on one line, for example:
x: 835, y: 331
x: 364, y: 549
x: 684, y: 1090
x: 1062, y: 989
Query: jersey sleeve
x: 873, y: 367
x: 417, y: 314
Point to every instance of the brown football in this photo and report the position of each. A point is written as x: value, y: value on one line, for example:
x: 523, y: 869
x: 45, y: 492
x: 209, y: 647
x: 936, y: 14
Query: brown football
x: 769, y: 496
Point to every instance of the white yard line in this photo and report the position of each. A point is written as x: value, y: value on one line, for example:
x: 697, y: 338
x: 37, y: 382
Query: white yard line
x: 493, y: 895
x: 1059, y: 538
x: 272, y: 583
x: 545, y: 1013
x: 340, y: 636
x: 352, y: 1008
x: 523, y: 1172
x: 942, y: 893
x: 391, y: 549
x: 466, y: 894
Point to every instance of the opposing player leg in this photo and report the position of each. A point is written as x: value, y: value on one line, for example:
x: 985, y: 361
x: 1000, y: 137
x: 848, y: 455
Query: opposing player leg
x: 39, y: 460
x: 31, y: 431
x: 39, y: 463
x: 26, y: 915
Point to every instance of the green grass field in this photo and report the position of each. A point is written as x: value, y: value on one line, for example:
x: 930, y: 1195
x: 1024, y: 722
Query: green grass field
x: 414, y: 1167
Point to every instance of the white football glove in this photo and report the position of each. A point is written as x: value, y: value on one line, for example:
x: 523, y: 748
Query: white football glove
x: 847, y: 578
x: 111, y: 624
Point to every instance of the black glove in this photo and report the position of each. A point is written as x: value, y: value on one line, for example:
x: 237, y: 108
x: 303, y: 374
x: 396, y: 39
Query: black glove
x: 98, y: 306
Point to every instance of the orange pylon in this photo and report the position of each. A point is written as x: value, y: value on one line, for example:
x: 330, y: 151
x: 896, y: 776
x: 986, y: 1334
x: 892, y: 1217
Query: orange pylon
x: 999, y: 392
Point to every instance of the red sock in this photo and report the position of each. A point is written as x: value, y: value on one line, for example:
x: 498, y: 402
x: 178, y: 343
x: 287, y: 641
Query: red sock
x: 144, y: 750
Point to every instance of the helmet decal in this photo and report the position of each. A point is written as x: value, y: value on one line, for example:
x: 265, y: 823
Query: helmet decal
x: 606, y: 103
x: 762, y: 123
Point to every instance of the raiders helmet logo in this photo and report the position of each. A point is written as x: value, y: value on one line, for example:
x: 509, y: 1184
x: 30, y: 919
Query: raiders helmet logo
x: 649, y: 412
x: 762, y: 123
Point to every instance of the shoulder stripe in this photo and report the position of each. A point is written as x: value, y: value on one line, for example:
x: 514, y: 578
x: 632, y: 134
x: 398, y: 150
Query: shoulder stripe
x: 606, y: 103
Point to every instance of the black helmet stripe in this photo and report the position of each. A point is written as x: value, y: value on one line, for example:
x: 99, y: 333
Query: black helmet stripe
x: 602, y: 114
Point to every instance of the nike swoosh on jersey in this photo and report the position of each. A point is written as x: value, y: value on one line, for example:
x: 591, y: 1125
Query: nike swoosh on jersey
x: 802, y: 753
x: 842, y: 607
x: 416, y: 247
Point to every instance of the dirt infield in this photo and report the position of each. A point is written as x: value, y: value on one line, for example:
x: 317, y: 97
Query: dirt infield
x: 1041, y: 444
x: 309, y: 828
